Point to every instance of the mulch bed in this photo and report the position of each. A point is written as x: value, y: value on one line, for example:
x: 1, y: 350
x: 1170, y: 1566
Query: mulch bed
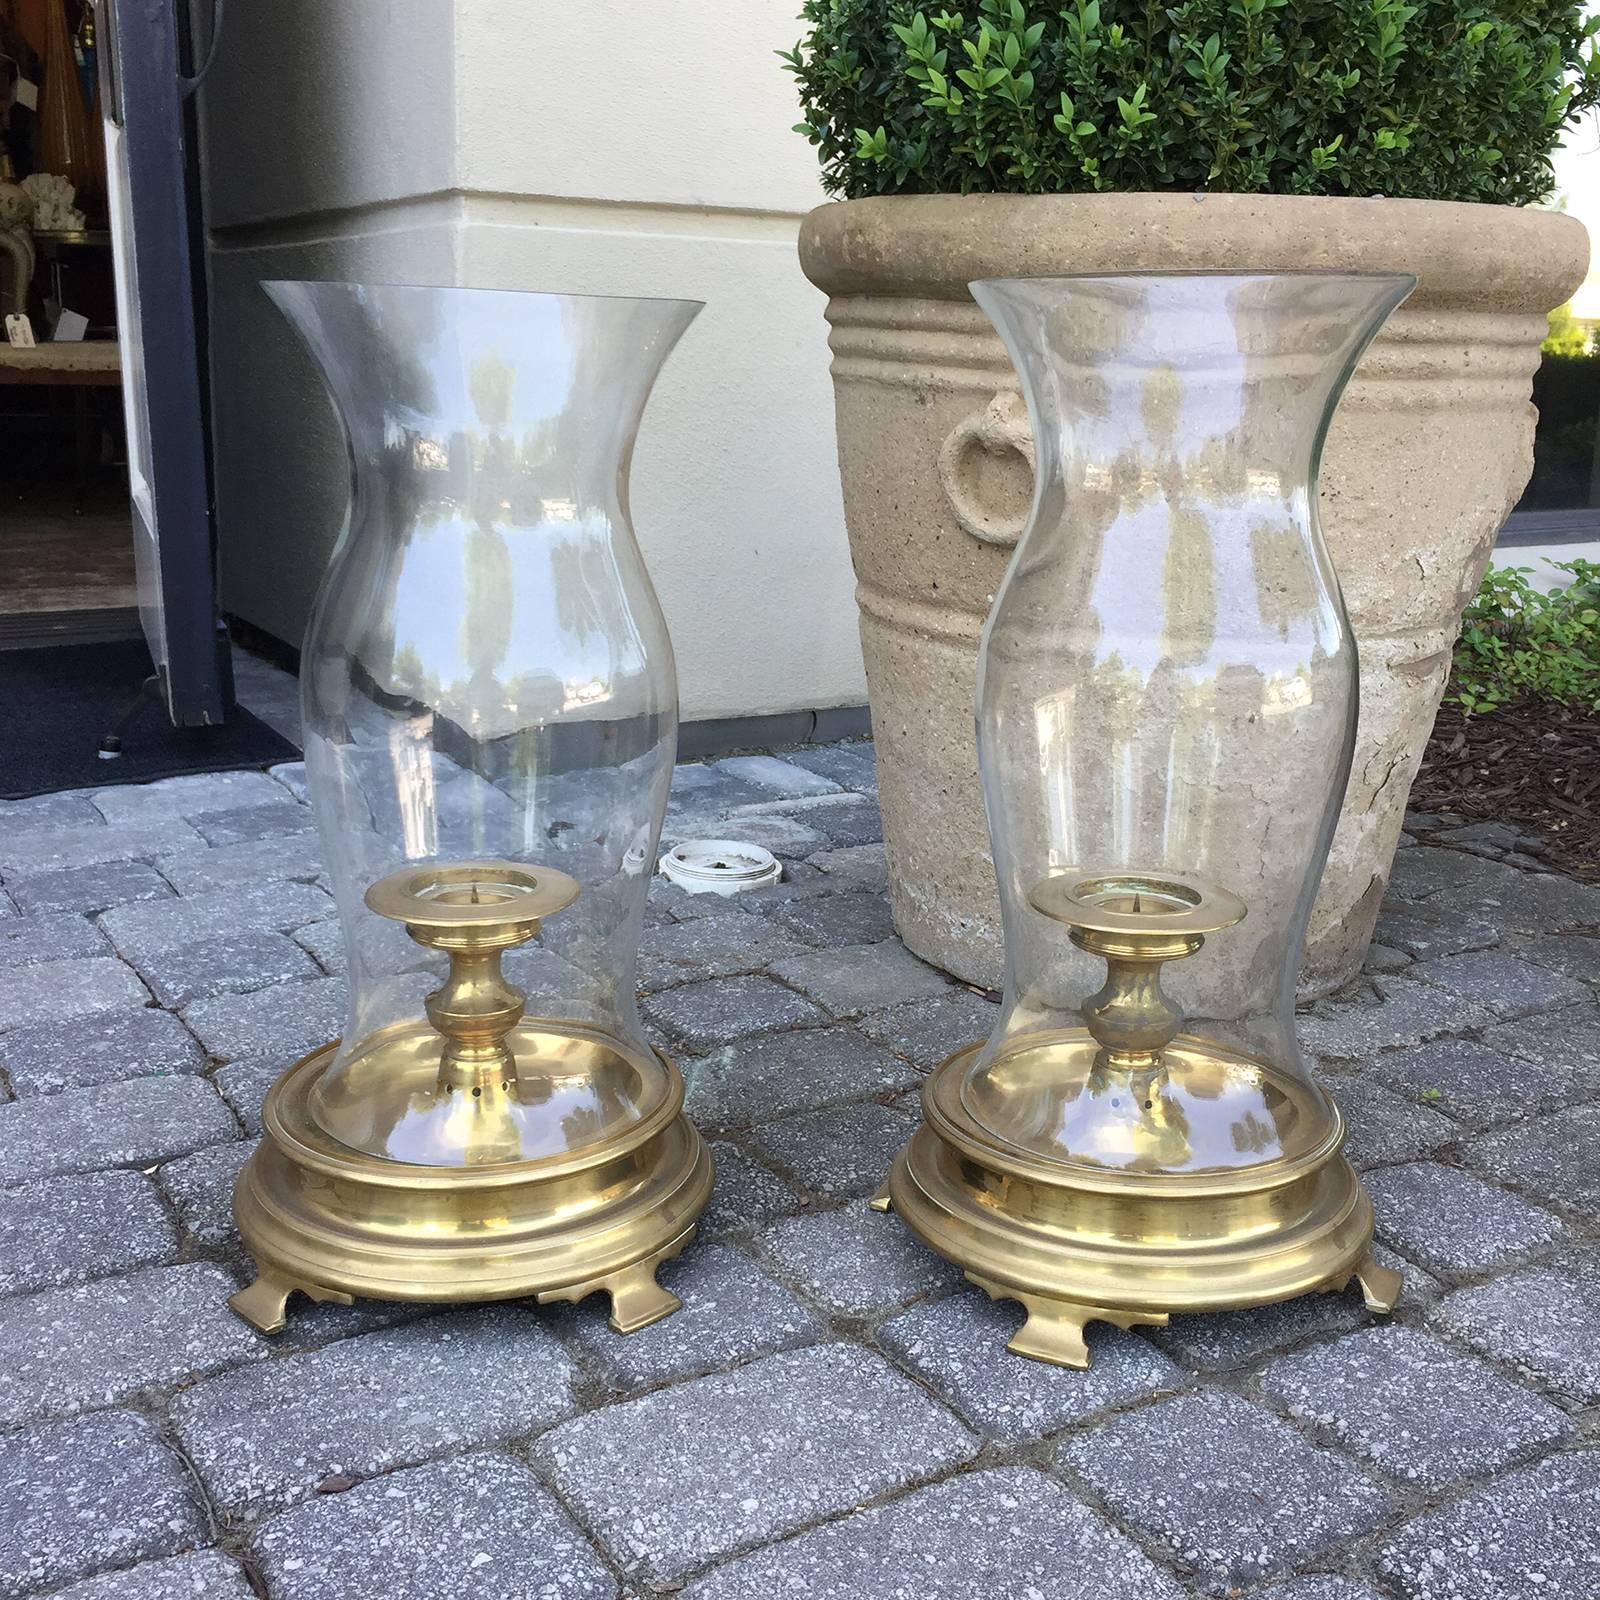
x: 1537, y: 765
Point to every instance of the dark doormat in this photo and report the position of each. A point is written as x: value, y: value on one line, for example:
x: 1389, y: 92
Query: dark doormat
x: 56, y: 702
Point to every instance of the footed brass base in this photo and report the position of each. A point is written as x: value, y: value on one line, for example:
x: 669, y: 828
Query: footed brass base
x: 335, y: 1223
x: 1075, y: 1244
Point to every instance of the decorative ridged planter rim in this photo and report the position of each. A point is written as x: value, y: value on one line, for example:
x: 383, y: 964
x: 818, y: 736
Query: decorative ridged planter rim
x: 885, y: 245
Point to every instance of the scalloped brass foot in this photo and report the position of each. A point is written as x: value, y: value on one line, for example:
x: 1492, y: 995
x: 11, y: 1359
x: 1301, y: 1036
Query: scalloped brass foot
x: 881, y: 1201
x: 263, y: 1304
x: 1380, y: 1286
x: 1054, y: 1329
x: 637, y: 1299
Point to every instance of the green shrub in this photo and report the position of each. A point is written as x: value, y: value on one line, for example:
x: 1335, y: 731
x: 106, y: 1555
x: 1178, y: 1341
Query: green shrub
x: 1519, y: 643
x: 1440, y: 100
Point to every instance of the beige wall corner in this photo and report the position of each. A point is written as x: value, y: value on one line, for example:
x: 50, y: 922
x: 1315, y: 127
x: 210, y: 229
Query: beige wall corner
x: 628, y: 151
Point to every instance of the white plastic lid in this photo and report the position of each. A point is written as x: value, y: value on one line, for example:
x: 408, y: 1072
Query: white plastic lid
x: 719, y: 866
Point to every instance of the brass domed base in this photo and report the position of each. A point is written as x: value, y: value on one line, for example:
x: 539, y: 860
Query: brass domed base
x: 334, y: 1223
x: 1076, y: 1244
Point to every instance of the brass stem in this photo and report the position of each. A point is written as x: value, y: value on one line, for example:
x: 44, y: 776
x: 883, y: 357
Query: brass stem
x: 475, y: 1009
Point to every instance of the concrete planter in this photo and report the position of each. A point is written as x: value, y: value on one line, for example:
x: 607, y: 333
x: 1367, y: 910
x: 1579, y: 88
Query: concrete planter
x: 1430, y: 449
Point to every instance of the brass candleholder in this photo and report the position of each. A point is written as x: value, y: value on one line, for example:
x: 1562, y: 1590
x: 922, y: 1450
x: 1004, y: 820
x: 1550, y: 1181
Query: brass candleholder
x: 482, y: 1154
x: 1068, y: 1170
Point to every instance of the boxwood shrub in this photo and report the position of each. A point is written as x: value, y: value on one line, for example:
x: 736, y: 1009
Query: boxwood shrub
x: 1438, y: 99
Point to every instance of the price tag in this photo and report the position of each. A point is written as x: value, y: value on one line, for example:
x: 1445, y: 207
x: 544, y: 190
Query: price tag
x: 19, y: 331
x: 70, y: 325
x: 27, y: 95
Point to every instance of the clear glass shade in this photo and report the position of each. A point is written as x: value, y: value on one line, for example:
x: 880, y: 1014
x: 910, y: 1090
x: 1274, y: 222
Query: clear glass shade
x: 490, y: 706
x: 1167, y: 705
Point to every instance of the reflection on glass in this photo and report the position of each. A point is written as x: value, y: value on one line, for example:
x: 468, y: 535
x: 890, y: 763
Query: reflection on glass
x: 488, y: 678
x: 1167, y: 697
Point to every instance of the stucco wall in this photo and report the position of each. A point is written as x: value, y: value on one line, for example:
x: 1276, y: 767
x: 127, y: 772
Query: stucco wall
x: 614, y: 149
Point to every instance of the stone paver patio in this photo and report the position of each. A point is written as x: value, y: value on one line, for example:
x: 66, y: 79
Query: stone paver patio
x: 831, y: 1415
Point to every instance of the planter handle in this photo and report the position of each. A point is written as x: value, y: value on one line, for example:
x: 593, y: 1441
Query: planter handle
x: 979, y: 471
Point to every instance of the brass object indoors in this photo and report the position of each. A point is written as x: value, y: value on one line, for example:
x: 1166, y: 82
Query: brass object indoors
x: 480, y: 1154
x: 1127, y: 1169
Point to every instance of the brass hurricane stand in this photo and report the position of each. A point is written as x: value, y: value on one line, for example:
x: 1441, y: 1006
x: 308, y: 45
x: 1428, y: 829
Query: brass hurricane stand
x: 1134, y: 1221
x: 483, y: 1155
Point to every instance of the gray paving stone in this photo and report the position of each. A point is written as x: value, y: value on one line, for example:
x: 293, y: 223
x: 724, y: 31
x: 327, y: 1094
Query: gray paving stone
x: 1521, y: 902
x: 171, y: 798
x: 732, y: 1313
x: 142, y: 931
x: 1554, y: 1158
x: 710, y: 947
x: 771, y: 1075
x: 1530, y: 1534
x: 853, y: 766
x: 696, y: 784
x: 1427, y: 935
x: 705, y: 1016
x: 62, y: 1230
x: 842, y: 1151
x: 1564, y: 1043
x: 1408, y: 1014
x: 52, y: 990
x: 111, y: 1125
x: 1412, y: 1407
x: 1497, y: 835
x: 837, y: 919
x: 200, y: 1575
x: 264, y: 1437
x: 1008, y: 1534
x: 957, y: 1347
x: 135, y: 1042
x: 292, y: 775
x: 286, y: 1021
x: 1381, y: 960
x: 1266, y: 1500
x: 865, y: 977
x: 324, y: 943
x: 1216, y: 1341
x: 774, y: 775
x: 1318, y: 1589
x: 926, y: 1031
x: 94, y: 1344
x: 480, y: 1527
x: 1453, y: 1222
x: 237, y: 965
x: 244, y: 1085
x: 852, y: 821
x: 1383, y: 1128
x: 296, y: 856
x: 1544, y: 1321
x: 41, y: 850
x: 78, y: 1497
x: 1472, y: 1083
x: 862, y: 866
x: 1568, y: 954
x: 856, y: 1261
x: 1419, y: 875
x: 90, y: 889
x: 61, y: 936
x: 745, y: 1195
x: 1501, y: 983
x: 705, y: 1470
x: 71, y: 809
x: 200, y: 1188
x: 272, y: 819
